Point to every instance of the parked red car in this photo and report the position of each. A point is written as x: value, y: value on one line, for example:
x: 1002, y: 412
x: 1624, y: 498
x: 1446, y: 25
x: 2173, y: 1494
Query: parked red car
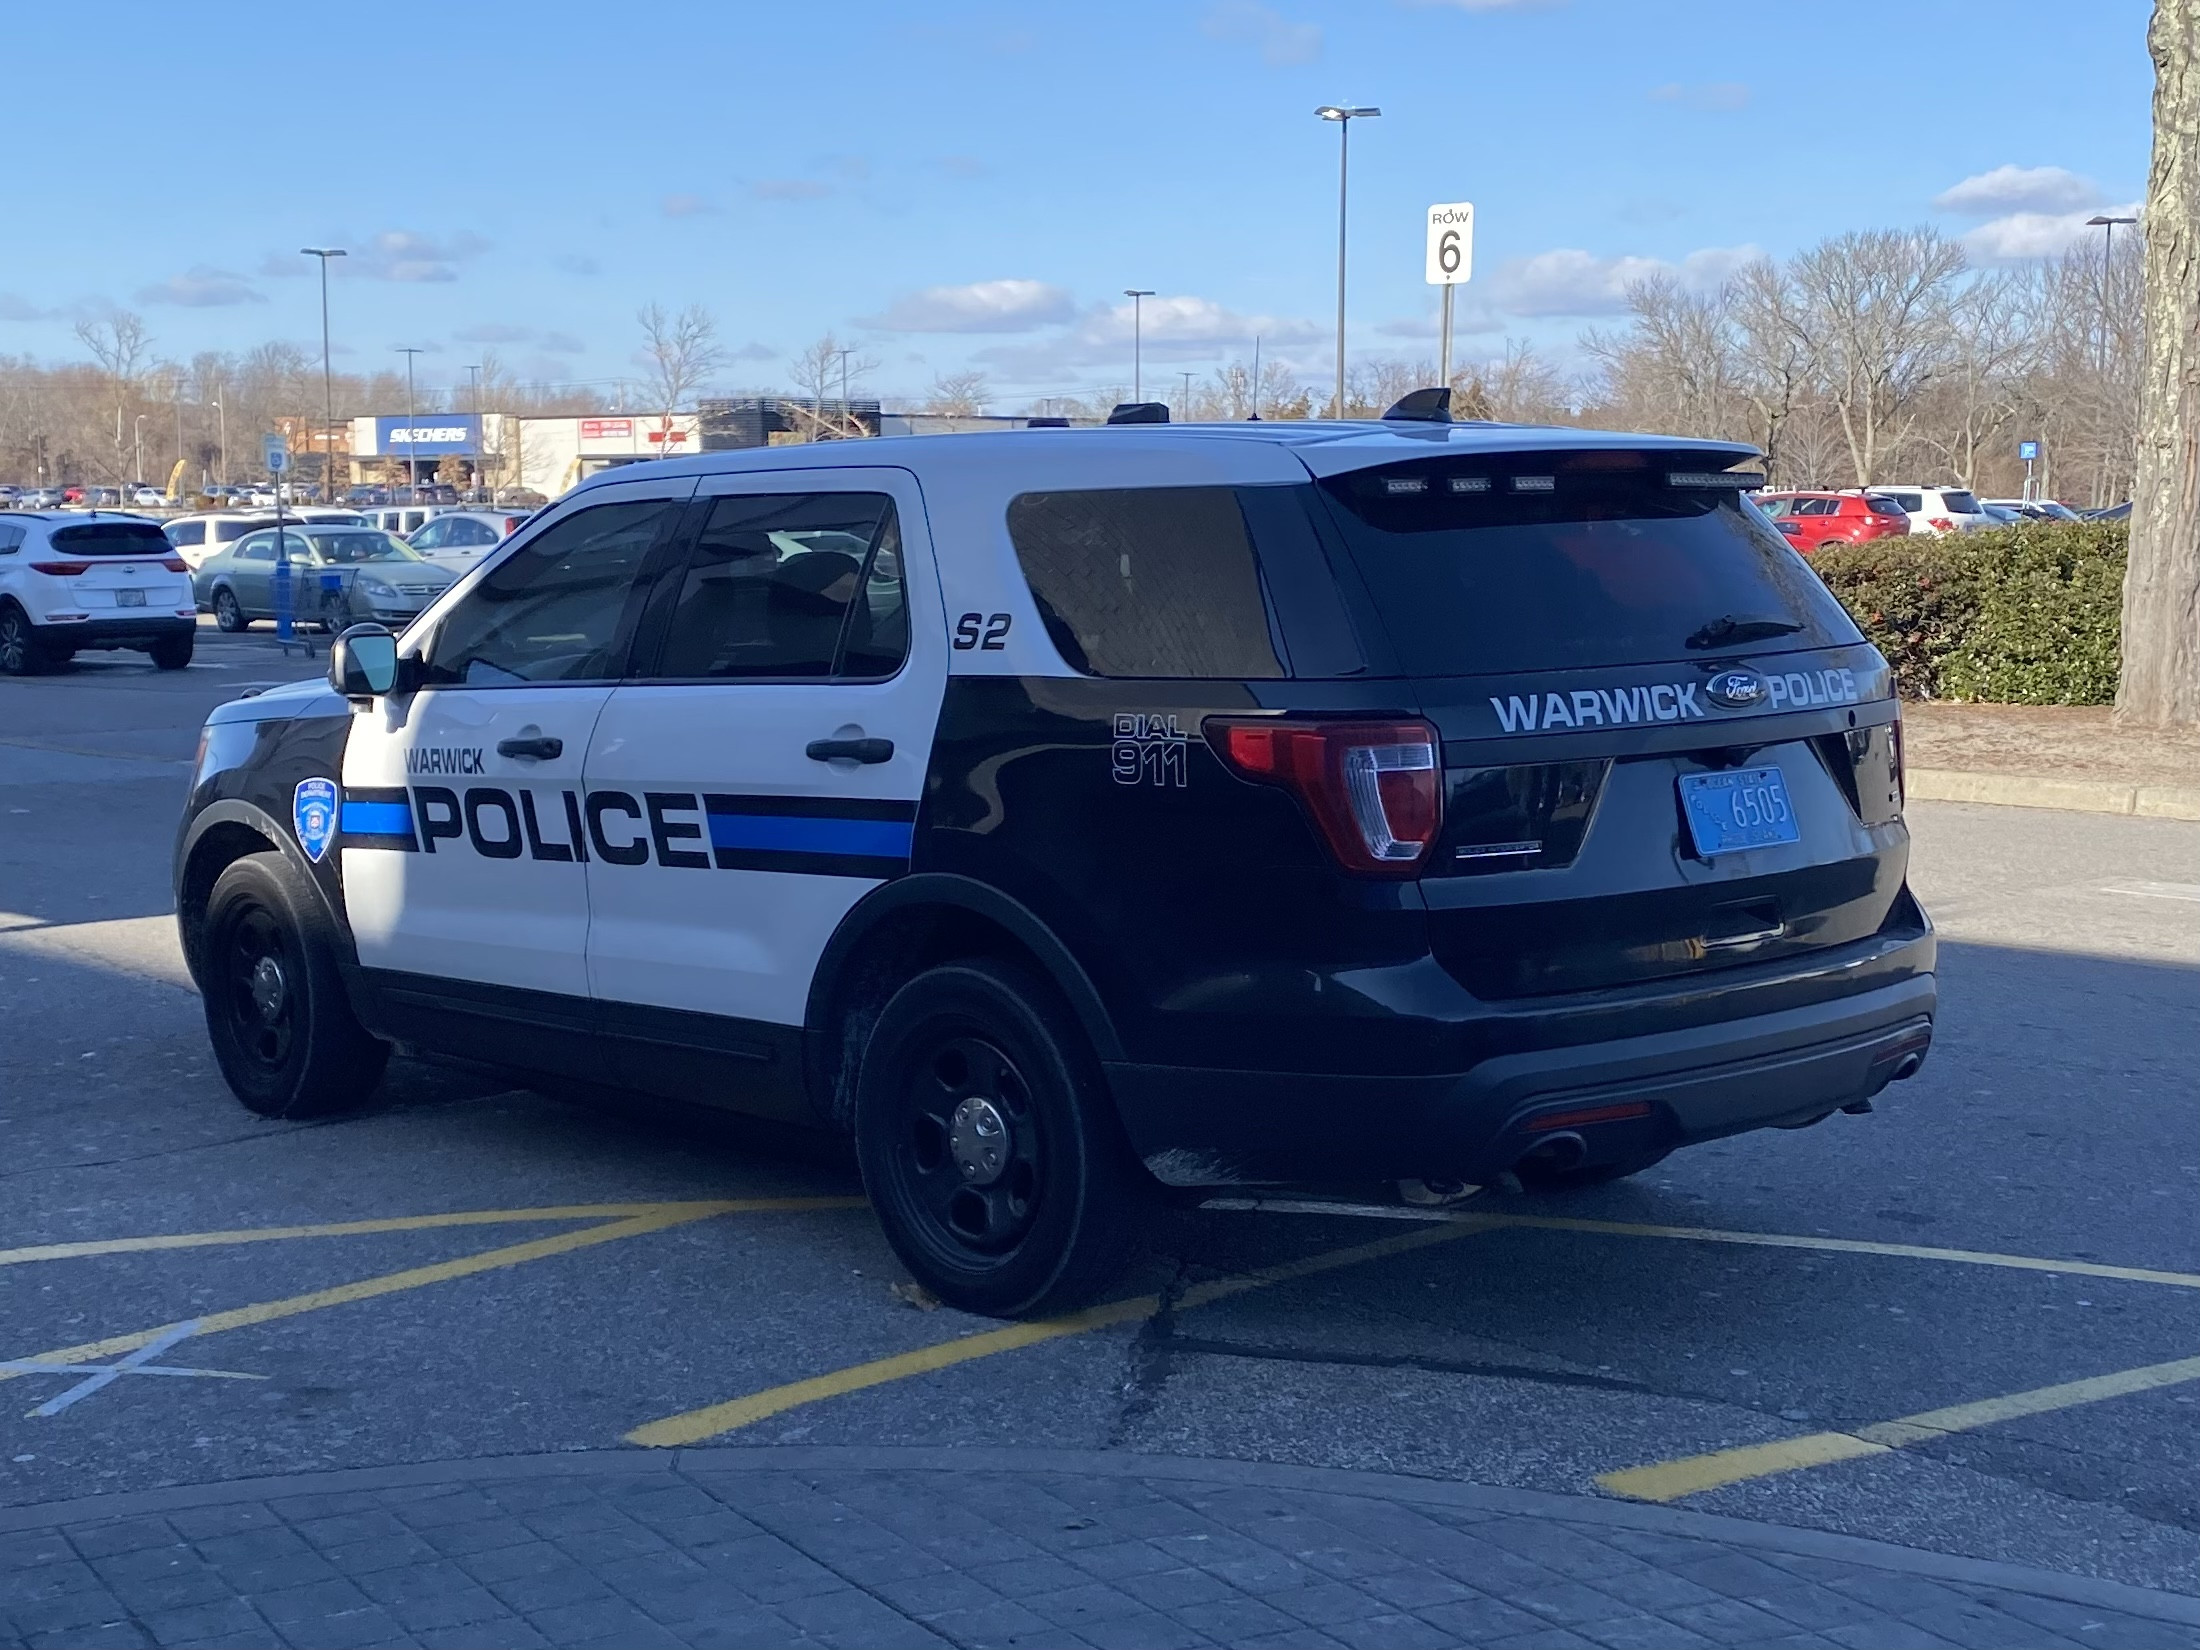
x: 1811, y: 519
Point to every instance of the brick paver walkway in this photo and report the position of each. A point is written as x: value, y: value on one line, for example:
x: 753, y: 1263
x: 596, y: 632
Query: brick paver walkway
x: 882, y: 1548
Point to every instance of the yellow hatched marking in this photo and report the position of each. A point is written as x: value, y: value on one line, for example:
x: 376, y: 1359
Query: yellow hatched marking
x: 709, y: 1422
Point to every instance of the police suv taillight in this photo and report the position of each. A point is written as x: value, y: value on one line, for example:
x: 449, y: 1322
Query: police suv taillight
x: 1375, y: 790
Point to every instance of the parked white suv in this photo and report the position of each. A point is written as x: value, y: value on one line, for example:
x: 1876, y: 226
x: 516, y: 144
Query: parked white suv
x: 71, y: 581
x: 1937, y: 509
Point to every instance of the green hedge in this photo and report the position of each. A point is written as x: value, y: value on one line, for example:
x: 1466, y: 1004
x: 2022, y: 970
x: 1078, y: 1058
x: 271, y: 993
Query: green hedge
x: 2028, y: 615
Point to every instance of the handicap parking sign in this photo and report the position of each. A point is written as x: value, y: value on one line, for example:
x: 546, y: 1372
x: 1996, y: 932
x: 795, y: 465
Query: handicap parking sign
x: 313, y: 812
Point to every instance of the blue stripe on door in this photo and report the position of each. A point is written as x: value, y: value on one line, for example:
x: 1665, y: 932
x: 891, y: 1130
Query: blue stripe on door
x: 377, y: 819
x: 809, y: 834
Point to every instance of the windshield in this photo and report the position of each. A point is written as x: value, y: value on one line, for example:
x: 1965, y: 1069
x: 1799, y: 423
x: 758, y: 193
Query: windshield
x: 112, y: 538
x: 358, y: 544
x: 1549, y: 562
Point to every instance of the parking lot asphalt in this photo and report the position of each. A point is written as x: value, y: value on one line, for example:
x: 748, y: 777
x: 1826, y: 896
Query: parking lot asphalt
x: 1968, y: 1323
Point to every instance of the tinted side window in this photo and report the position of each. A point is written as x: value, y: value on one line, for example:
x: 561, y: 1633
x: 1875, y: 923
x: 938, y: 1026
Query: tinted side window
x: 257, y: 549
x: 11, y: 539
x: 1150, y: 581
x: 228, y: 532
x: 186, y: 532
x: 772, y: 583
x: 556, y: 611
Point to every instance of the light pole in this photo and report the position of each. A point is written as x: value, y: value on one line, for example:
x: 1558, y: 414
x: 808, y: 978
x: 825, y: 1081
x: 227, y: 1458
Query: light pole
x: 137, y: 448
x: 1138, y: 296
x: 221, y: 423
x: 412, y: 476
x: 481, y: 435
x: 328, y: 393
x: 1344, y: 117
x: 844, y: 419
x: 2107, y: 225
x: 1184, y: 409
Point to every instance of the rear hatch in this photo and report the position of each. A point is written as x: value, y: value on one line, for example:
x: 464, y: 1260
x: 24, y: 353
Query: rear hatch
x: 1666, y: 748
x: 118, y: 569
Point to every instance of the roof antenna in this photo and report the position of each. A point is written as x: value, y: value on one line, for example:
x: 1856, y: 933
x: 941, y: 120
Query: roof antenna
x: 1255, y: 417
x: 1430, y: 406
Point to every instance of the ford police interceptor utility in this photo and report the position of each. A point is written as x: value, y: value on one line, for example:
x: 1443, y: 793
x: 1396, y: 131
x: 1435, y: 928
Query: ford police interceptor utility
x: 1067, y: 813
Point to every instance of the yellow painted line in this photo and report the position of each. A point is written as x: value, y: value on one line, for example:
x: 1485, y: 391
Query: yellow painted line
x: 714, y: 1419
x: 1846, y: 1246
x: 656, y: 1219
x: 1692, y: 1475
x: 409, y: 1223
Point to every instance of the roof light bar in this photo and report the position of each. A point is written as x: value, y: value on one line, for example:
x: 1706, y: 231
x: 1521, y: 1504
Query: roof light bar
x: 1744, y: 480
x: 1470, y: 484
x: 1535, y: 484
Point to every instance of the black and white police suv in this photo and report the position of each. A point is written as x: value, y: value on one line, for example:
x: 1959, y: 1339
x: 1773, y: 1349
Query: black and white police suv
x: 1067, y: 812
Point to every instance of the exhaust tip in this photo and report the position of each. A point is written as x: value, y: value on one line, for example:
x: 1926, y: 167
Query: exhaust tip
x: 1908, y: 1067
x: 1556, y: 1152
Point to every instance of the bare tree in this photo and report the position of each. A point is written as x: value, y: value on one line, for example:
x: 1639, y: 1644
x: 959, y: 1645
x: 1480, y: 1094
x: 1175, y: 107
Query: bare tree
x: 957, y: 395
x: 119, y: 343
x: 1773, y: 354
x: 1993, y: 349
x: 681, y: 351
x: 827, y: 373
x: 1518, y: 387
x: 1874, y: 307
x: 2160, y: 686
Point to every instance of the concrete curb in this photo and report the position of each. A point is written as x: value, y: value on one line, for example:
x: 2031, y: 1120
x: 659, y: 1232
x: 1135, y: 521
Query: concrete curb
x: 2090, y: 796
x: 2085, y: 1591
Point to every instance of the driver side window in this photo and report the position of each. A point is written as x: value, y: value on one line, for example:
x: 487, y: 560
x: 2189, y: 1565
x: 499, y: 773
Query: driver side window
x: 558, y: 610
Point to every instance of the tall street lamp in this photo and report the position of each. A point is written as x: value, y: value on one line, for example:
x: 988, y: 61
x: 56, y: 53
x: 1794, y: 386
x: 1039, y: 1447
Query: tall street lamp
x: 328, y: 393
x: 137, y: 447
x: 2107, y: 225
x: 221, y: 422
x: 1138, y: 296
x: 1344, y: 118
x: 412, y: 458
x: 481, y: 434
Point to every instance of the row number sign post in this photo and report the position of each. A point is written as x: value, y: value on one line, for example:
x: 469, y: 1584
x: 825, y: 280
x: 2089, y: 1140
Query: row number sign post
x: 275, y: 455
x: 2029, y: 451
x: 1450, y: 262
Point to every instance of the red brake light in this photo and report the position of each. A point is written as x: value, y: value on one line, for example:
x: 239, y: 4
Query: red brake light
x: 1374, y: 789
x: 62, y: 569
x: 1941, y: 524
x: 176, y: 564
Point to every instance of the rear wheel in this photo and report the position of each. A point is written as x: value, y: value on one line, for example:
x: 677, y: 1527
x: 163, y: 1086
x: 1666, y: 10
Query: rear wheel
x: 172, y: 652
x: 989, y: 1147
x: 21, y: 652
x: 282, y: 1028
x: 227, y: 613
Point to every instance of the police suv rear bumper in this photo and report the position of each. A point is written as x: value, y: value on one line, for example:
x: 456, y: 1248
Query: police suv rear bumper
x: 1616, y: 1099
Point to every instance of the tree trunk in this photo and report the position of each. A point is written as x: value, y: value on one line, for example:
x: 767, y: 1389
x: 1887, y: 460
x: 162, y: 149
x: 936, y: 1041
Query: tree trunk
x: 2161, y: 642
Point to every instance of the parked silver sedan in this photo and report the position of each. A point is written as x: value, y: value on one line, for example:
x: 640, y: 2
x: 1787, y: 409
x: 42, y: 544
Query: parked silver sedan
x: 339, y: 576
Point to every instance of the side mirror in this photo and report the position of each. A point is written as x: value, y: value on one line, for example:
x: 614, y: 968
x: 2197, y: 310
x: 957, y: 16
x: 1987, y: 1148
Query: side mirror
x: 362, y: 662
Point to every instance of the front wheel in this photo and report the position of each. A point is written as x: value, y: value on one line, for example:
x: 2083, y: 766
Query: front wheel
x: 989, y: 1147
x: 282, y: 1028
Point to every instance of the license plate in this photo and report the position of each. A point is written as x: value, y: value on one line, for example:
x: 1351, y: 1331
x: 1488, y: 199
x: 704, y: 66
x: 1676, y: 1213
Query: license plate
x: 129, y: 598
x: 1742, y: 808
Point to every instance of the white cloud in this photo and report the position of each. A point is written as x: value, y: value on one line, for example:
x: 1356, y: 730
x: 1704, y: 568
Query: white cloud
x: 982, y: 306
x: 1567, y: 281
x: 1712, y: 96
x: 200, y: 287
x: 1280, y: 42
x: 2020, y: 189
x: 494, y: 332
x: 2022, y: 236
x: 15, y: 308
x: 1179, y: 328
x: 754, y: 352
x: 562, y: 343
x: 402, y: 255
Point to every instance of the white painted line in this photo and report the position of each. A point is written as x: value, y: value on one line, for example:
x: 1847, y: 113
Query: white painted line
x: 35, y: 1366
x: 126, y: 1365
x: 2189, y: 891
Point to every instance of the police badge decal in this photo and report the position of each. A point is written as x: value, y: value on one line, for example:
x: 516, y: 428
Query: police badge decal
x: 313, y: 814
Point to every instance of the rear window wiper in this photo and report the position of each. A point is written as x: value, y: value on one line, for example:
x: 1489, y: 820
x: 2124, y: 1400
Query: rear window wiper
x: 1726, y: 630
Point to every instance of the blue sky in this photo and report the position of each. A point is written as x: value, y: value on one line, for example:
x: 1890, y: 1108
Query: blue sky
x: 972, y: 184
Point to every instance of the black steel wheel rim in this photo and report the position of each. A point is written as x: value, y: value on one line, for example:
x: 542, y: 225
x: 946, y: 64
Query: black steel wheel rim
x: 955, y: 1084
x: 260, y: 973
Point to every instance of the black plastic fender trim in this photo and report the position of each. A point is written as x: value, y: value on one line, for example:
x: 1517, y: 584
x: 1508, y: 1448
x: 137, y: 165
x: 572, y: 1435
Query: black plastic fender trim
x: 236, y: 811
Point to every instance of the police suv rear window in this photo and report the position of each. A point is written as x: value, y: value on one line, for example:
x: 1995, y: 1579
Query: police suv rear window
x: 1146, y: 581
x: 112, y: 538
x: 1522, y: 562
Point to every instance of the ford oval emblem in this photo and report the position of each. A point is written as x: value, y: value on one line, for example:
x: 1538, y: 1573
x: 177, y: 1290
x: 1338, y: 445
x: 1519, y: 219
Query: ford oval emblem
x: 1736, y: 689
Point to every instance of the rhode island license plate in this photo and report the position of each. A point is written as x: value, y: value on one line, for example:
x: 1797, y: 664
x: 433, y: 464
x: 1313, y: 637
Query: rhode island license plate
x: 129, y: 598
x: 1742, y: 808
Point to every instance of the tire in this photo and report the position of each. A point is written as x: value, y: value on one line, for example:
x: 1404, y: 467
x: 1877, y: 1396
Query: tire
x: 173, y: 652
x: 21, y: 652
x: 227, y: 614
x: 1537, y: 1177
x: 980, y: 1058
x: 282, y: 1027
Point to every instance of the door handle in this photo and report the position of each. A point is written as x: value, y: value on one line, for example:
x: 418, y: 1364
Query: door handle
x: 849, y: 750
x: 541, y: 748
